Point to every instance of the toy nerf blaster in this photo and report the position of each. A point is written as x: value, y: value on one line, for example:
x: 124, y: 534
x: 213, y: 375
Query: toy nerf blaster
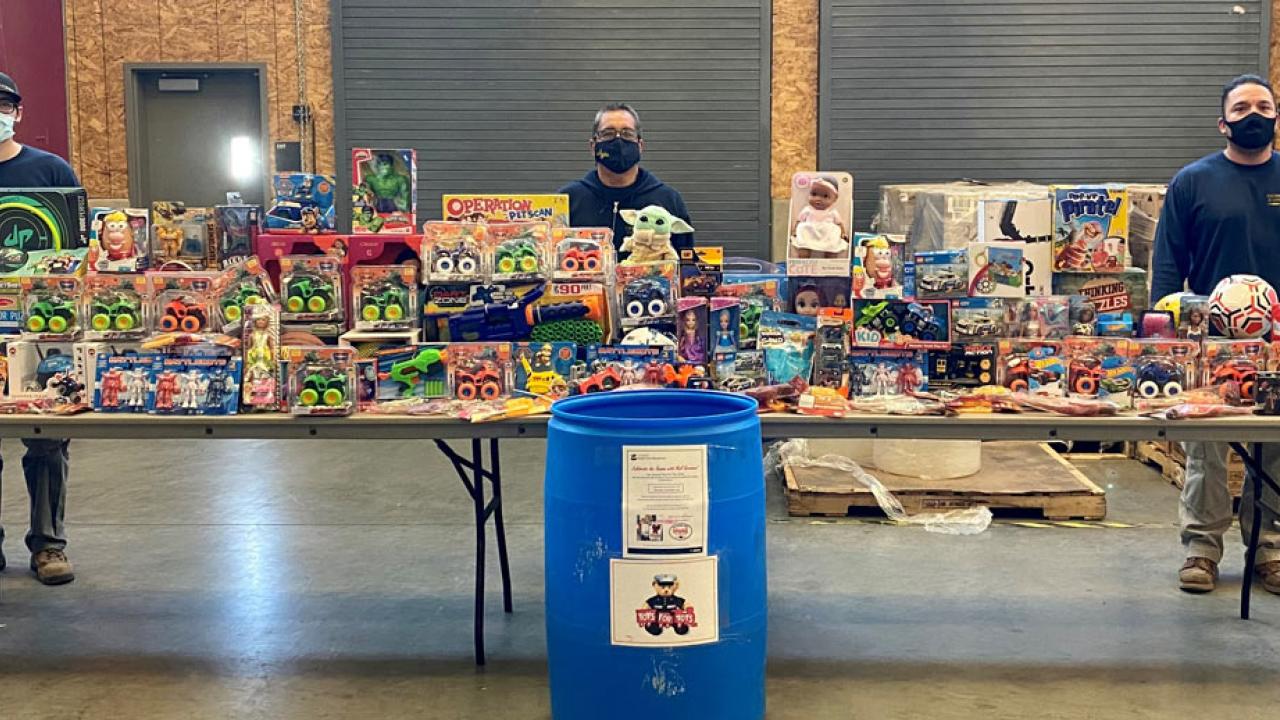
x: 409, y: 372
x: 515, y: 320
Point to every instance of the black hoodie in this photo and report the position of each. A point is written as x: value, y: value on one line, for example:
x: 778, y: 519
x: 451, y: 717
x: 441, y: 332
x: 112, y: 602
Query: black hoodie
x: 593, y: 204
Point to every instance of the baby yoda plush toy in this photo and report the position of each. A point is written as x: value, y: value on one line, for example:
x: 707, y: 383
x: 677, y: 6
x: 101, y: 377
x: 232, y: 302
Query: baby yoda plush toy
x: 650, y: 238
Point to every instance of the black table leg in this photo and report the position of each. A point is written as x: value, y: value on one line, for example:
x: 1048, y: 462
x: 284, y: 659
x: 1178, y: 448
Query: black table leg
x: 1255, y: 480
x: 499, y: 527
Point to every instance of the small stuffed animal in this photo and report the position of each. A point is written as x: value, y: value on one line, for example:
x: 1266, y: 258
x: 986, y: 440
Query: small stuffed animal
x: 650, y: 238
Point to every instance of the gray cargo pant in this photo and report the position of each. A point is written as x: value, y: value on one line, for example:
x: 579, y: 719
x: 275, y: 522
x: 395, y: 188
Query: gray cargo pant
x: 1205, y: 511
x: 46, y: 465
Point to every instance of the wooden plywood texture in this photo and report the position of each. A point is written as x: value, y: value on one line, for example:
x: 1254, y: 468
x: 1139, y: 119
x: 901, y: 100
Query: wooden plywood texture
x: 795, y: 91
x: 103, y: 35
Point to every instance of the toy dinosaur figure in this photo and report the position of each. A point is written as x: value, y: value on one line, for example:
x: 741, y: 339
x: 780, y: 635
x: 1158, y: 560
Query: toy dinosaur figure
x: 650, y: 238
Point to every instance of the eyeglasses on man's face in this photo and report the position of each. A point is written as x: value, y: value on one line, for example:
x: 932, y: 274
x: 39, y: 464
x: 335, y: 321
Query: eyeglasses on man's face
x: 612, y: 133
x: 8, y: 107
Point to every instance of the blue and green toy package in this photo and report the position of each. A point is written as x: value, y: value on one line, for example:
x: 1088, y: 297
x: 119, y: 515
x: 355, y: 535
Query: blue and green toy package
x: 887, y: 371
x: 900, y: 323
x: 416, y: 371
x: 605, y: 368
x: 725, y: 325
x: 125, y: 383
x: 754, y: 297
x: 197, y: 385
x: 543, y: 368
x: 787, y: 342
x: 303, y: 204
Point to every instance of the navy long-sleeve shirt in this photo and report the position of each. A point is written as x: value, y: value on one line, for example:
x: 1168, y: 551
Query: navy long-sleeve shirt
x: 34, y: 168
x: 594, y: 204
x: 1220, y: 218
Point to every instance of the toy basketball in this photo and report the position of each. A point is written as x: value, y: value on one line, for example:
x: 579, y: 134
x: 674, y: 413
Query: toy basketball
x: 1241, y: 306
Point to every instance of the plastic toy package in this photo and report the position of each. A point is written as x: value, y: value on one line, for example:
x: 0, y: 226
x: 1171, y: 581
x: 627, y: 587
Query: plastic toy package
x: 886, y: 371
x: 584, y: 254
x: 724, y: 325
x: 608, y: 368
x: 303, y: 204
x: 1231, y: 368
x: 125, y: 383
x: 44, y: 371
x: 754, y: 298
x: 480, y: 370
x: 87, y: 353
x: 899, y: 323
x: 1157, y: 324
x: 820, y: 223
x: 996, y: 270
x: 691, y: 340
x: 579, y: 313
x: 831, y: 356
x: 978, y: 319
x: 183, y: 302
x: 646, y: 294
x: 1034, y: 366
x: 384, y: 297
x: 115, y: 306
x: 744, y: 370
x: 311, y: 289
x: 50, y: 307
x: 1100, y: 368
x: 1163, y: 371
x: 519, y: 251
x: 181, y: 236
x: 878, y: 266
x: 809, y: 294
x: 1083, y: 316
x: 196, y: 385
x: 1090, y: 228
x: 787, y: 342
x: 384, y: 190
x: 509, y: 314
x: 967, y: 365
x: 238, y: 227
x: 321, y: 380
x: 701, y: 270
x: 260, y: 341
x: 454, y: 251
x: 1039, y: 318
x: 241, y: 285
x: 543, y: 369
x: 118, y: 240
x: 415, y: 371
x: 942, y: 274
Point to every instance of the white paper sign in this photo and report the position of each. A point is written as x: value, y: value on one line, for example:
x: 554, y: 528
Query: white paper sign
x: 664, y: 603
x: 664, y: 500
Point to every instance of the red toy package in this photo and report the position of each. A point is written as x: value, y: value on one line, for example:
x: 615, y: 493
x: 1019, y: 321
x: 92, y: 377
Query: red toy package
x: 1034, y: 366
x: 184, y: 302
x: 480, y: 371
x: 582, y: 253
x: 1100, y: 367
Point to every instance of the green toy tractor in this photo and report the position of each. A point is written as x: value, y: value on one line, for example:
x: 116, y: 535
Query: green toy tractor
x: 233, y: 303
x: 516, y: 255
x: 54, y: 313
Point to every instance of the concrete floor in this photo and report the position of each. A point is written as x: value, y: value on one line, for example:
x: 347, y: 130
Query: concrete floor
x: 288, y: 580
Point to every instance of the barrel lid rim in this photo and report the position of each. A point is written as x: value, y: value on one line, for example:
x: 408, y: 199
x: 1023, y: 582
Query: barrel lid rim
x: 565, y: 409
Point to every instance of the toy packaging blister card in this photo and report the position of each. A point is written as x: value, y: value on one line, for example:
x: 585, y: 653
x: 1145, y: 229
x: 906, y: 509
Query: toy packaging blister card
x: 384, y: 297
x: 415, y: 371
x: 831, y: 357
x: 725, y: 325
x: 1193, y: 318
x: 125, y: 383
x: 899, y: 323
x: 820, y: 224
x: 454, y: 251
x: 646, y: 294
x: 238, y: 229
x: 519, y: 251
x: 197, y: 385
x: 879, y: 262
x: 311, y: 288
x: 543, y: 369
x: 86, y: 356
x: 584, y: 254
x: 691, y: 339
x: 809, y: 294
x: 1090, y: 228
x: 579, y: 313
x: 118, y: 240
x: 115, y: 306
x: 1163, y: 371
x: 1100, y: 367
x: 260, y: 340
x: 1034, y: 366
x: 609, y: 368
x: 745, y: 370
x: 941, y: 274
x: 183, y: 302
x: 996, y: 270
x: 787, y: 342
x: 754, y: 298
x: 45, y: 371
x: 701, y: 270
x: 181, y: 236
x: 977, y: 319
x: 480, y: 370
x: 50, y: 307
x: 384, y: 190
x: 1039, y: 318
x: 1083, y: 316
x: 886, y: 371
x: 964, y: 365
x: 303, y: 204
x: 241, y: 285
x: 321, y: 380
x: 1231, y: 368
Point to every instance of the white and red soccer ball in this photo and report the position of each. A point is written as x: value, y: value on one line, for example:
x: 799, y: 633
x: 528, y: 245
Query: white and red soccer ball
x: 1243, y: 306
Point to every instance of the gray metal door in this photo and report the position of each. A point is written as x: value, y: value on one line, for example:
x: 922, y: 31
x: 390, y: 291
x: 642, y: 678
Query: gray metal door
x: 1042, y: 90
x: 499, y: 96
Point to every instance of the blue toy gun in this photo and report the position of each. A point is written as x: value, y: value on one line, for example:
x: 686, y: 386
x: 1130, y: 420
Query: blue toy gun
x: 514, y: 320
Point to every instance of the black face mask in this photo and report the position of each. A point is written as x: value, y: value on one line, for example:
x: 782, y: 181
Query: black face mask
x: 618, y: 155
x: 1253, y: 131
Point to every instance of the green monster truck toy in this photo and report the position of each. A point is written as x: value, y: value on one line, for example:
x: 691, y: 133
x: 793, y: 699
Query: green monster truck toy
x: 53, y: 313
x: 118, y: 312
x: 309, y: 293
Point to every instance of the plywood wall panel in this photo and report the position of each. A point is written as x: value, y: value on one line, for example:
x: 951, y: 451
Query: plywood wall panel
x: 795, y: 91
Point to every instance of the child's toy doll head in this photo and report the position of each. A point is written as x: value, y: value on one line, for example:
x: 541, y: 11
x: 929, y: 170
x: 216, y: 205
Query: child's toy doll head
x: 823, y: 193
x: 724, y: 319
x: 690, y: 322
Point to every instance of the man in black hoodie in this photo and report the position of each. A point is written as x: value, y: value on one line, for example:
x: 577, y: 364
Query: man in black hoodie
x: 618, y: 182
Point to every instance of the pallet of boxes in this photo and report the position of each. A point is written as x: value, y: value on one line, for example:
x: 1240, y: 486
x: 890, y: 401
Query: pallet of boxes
x: 1171, y: 460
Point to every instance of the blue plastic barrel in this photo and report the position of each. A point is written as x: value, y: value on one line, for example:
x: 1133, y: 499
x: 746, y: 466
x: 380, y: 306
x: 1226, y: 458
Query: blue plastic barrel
x: 590, y: 676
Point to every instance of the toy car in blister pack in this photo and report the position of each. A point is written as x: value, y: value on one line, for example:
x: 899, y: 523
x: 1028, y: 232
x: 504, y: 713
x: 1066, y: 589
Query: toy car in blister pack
x: 196, y: 385
x: 746, y: 371
x: 878, y: 266
x: 787, y: 342
x: 753, y: 299
x: 724, y: 325
x: 1039, y: 318
x: 887, y: 371
x: 820, y: 222
x: 321, y: 380
x: 415, y: 371
x: 115, y: 306
x: 1164, y: 370
x: 964, y: 365
x: 183, y: 302
x: 384, y: 190
x: 691, y: 339
x: 942, y: 274
x: 1091, y: 228
x: 118, y: 240
x: 50, y: 307
x: 260, y: 340
x: 809, y: 294
x: 454, y: 251
x: 519, y: 251
x: 1231, y: 367
x: 384, y: 297
x: 479, y: 370
x: 44, y: 371
x: 181, y: 235
x: 996, y: 270
x: 900, y: 323
x: 646, y: 294
x: 238, y: 227
x: 583, y: 253
x: 1100, y: 367
x: 125, y: 383
x: 831, y: 356
x: 303, y: 204
x: 311, y: 288
x: 701, y: 270
x: 543, y: 369
x: 977, y: 319
x: 241, y: 285
x: 1034, y: 366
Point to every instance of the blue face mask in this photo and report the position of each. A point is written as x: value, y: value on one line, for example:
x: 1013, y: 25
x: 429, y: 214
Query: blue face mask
x: 618, y: 155
x: 6, y: 127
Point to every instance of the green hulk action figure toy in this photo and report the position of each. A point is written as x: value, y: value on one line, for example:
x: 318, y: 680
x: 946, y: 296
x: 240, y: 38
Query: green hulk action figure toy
x: 387, y: 189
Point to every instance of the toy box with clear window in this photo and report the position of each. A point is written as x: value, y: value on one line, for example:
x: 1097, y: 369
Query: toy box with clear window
x: 239, y: 286
x: 878, y: 266
x: 480, y: 370
x: 238, y: 227
x: 197, y: 385
x: 384, y: 297
x: 506, y: 208
x: 724, y: 325
x: 1039, y: 318
x: 45, y: 231
x: 996, y: 270
x: 691, y: 337
x: 941, y: 274
x: 741, y: 371
x: 321, y: 380
x: 413, y: 371
x: 46, y: 371
x: 454, y: 251
x: 1090, y: 228
x: 1231, y: 368
x: 583, y: 254
x: 820, y: 224
x: 303, y: 204
x: 181, y: 236
x: 701, y: 270
x: 519, y: 251
x: 1083, y: 316
x: 1100, y: 367
x: 1163, y: 371
x: 809, y: 294
x: 978, y: 319
x: 87, y: 352
x: 608, y: 368
x: 115, y: 306
x: 753, y: 299
x: 509, y: 313
x: 51, y: 307
x: 1034, y: 366
x: 311, y: 289
x: 886, y: 371
x: 787, y: 342
x: 964, y: 365
x: 118, y: 240
x: 646, y: 294
x: 579, y: 314
x: 262, y: 389
x: 384, y: 190
x: 900, y: 323
x: 125, y: 382
x: 183, y: 302
x: 543, y: 369
x: 831, y: 354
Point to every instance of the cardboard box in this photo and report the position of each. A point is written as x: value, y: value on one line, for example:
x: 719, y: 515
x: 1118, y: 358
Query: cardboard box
x: 1090, y: 228
x: 43, y: 231
x: 946, y: 216
x: 1124, y: 292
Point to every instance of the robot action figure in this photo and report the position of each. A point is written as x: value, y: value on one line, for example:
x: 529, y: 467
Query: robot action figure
x: 166, y: 388
x: 192, y: 387
x: 135, y: 384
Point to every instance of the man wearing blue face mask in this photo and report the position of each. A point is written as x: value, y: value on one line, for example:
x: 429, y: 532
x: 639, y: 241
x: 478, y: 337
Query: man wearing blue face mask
x: 1221, y: 217
x: 46, y: 462
x: 618, y: 182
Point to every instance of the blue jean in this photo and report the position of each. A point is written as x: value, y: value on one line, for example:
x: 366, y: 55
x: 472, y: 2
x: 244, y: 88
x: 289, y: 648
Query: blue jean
x: 46, y: 466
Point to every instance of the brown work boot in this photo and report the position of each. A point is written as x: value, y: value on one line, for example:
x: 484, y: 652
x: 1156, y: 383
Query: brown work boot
x: 1198, y: 575
x: 1269, y: 573
x: 52, y: 567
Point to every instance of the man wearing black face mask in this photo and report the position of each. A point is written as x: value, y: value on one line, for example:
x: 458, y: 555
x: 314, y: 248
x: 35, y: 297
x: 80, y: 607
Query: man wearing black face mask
x: 618, y: 182
x: 1222, y: 217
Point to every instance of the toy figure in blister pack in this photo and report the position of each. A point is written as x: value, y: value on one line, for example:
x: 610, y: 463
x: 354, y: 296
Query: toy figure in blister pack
x: 879, y: 372
x: 543, y: 368
x: 650, y: 238
x: 1041, y: 318
x: 726, y: 324
x: 182, y: 235
x: 166, y: 389
x: 261, y: 342
x: 1084, y: 316
x: 691, y: 345
x: 192, y: 386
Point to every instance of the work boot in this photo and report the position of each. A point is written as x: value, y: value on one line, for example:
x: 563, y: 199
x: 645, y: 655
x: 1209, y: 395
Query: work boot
x: 1269, y: 573
x: 1198, y: 575
x: 52, y: 567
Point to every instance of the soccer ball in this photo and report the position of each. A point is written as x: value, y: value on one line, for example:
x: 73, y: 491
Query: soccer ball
x: 1241, y: 306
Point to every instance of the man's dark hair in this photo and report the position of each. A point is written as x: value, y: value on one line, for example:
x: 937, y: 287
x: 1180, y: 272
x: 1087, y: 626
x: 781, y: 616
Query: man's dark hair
x: 611, y: 107
x: 1246, y: 79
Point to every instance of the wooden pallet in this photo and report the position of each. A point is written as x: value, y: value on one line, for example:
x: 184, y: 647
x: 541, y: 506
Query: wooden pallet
x: 1016, y: 478
x: 1171, y: 461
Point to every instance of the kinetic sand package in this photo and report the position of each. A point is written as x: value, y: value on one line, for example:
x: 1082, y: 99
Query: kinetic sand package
x: 1090, y: 228
x: 820, y: 224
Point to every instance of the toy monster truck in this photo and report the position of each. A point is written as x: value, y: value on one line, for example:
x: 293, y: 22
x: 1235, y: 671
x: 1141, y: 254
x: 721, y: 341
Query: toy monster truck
x: 53, y: 313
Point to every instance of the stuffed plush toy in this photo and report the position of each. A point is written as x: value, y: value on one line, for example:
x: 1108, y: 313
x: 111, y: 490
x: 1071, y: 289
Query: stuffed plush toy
x: 650, y: 238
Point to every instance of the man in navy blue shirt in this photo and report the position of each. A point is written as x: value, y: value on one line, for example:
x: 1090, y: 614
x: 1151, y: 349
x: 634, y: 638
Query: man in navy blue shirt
x: 46, y: 462
x: 1222, y: 217
x: 618, y: 182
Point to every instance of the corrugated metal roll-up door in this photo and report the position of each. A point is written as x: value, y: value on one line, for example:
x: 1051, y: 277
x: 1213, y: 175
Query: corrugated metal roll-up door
x: 498, y: 96
x: 1041, y: 90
